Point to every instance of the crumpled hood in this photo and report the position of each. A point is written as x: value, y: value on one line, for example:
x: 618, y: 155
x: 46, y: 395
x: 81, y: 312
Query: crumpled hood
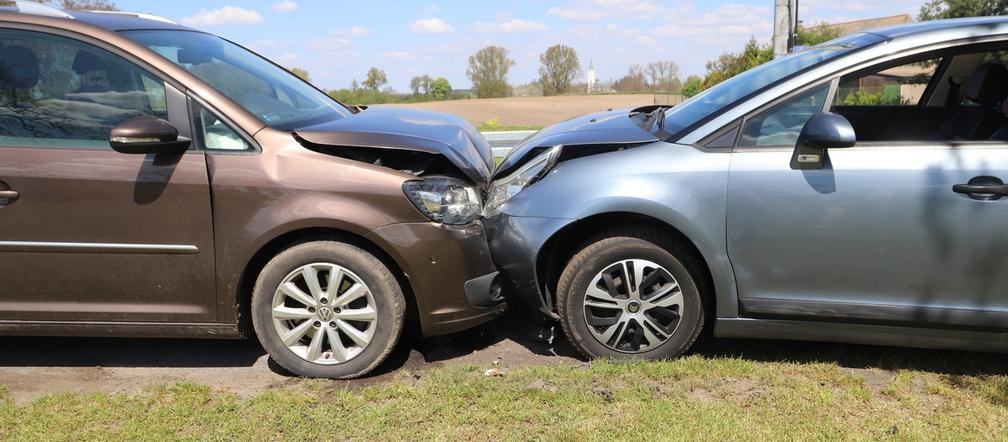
x: 600, y: 128
x: 409, y: 129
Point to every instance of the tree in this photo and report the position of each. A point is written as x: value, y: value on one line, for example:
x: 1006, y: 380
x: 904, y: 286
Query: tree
x: 663, y: 76
x: 301, y: 73
x: 440, y: 89
x: 633, y: 81
x: 421, y: 85
x: 942, y: 9
x: 559, y: 65
x: 375, y: 79
x: 731, y: 64
x: 488, y: 69
x: 83, y: 5
x: 693, y: 85
x: 815, y: 34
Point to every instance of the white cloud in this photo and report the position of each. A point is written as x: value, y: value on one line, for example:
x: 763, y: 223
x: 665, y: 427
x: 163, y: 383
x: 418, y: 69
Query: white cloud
x: 398, y: 55
x: 592, y: 10
x: 431, y: 25
x: 227, y: 15
x: 513, y: 25
x: 354, y: 31
x: 329, y: 43
x: 727, y: 24
x: 284, y: 6
x: 289, y: 57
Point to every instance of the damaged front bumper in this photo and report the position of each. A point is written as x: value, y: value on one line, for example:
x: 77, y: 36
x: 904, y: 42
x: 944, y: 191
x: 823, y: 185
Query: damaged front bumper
x: 516, y: 243
x: 454, y: 281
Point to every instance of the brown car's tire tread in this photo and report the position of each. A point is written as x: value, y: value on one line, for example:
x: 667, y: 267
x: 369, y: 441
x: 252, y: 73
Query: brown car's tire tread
x: 629, y: 243
x: 385, y: 289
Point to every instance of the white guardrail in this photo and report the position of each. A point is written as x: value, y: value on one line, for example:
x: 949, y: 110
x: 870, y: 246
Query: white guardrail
x: 503, y: 141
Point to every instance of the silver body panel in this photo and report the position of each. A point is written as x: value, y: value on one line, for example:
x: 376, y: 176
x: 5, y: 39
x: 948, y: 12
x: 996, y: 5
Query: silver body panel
x: 877, y: 244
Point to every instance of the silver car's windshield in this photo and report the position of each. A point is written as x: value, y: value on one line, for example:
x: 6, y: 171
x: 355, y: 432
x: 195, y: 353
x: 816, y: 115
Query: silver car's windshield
x: 722, y: 96
x: 277, y: 97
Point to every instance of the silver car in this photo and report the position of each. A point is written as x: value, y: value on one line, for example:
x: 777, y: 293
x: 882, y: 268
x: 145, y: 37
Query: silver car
x: 852, y: 192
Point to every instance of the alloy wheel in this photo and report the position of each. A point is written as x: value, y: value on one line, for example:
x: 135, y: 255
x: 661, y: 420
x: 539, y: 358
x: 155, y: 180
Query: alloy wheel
x: 633, y: 306
x: 324, y: 313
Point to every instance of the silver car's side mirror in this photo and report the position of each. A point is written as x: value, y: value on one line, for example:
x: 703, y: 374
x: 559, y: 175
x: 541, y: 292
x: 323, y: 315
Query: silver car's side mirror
x: 823, y: 131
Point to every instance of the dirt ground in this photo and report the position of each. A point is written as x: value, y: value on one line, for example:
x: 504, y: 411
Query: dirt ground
x: 533, y: 111
x: 34, y: 367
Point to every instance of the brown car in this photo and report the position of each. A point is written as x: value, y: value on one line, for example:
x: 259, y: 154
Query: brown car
x: 158, y: 181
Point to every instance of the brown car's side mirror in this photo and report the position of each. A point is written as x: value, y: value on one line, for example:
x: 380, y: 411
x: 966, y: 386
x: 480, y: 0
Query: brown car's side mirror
x: 143, y: 135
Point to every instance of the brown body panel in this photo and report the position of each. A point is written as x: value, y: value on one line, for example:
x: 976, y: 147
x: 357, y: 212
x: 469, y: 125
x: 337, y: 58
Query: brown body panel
x: 169, y: 245
x: 101, y: 202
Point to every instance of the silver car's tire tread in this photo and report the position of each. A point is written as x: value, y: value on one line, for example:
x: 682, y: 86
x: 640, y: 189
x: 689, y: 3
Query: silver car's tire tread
x: 569, y: 299
x: 385, y: 288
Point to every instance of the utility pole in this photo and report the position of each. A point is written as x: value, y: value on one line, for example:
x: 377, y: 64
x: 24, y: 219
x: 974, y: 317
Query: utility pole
x: 785, y: 19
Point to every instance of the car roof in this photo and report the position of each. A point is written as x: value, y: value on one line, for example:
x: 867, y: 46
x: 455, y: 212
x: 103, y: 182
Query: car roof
x: 123, y: 21
x: 107, y: 20
x: 967, y: 26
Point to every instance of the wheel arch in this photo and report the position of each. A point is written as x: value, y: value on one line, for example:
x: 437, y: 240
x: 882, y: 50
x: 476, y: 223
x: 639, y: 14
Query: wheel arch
x: 558, y: 250
x: 286, y: 240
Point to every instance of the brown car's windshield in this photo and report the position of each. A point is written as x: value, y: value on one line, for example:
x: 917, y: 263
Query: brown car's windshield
x: 277, y: 97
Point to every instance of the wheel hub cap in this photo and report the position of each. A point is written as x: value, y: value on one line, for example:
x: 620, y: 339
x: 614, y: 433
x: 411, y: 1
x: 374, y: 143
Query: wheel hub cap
x: 324, y: 313
x: 633, y: 306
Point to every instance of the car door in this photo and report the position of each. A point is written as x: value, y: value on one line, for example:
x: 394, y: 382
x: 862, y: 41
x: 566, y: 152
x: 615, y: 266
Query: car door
x: 87, y: 233
x: 878, y: 235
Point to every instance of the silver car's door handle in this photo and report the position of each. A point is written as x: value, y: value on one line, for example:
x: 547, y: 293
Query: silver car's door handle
x: 984, y: 188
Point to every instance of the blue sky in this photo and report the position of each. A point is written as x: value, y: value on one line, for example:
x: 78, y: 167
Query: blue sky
x: 337, y: 41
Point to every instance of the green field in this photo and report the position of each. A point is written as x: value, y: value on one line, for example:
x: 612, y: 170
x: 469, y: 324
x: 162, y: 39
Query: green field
x: 710, y: 398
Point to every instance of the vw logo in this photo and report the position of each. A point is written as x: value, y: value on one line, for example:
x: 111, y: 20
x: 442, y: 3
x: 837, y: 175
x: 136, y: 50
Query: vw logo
x: 325, y: 314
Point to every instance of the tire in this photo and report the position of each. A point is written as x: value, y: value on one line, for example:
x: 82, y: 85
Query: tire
x: 368, y: 306
x: 673, y: 326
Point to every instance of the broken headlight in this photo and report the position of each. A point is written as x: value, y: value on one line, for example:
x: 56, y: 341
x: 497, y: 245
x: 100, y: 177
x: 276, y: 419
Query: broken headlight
x: 502, y: 190
x: 444, y: 199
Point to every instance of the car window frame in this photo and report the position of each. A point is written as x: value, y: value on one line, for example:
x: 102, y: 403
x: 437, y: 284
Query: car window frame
x: 699, y: 137
x: 831, y: 90
x: 941, y: 69
x: 945, y: 50
x: 193, y: 103
x: 174, y: 90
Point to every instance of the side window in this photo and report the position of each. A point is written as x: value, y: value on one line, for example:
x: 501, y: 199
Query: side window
x: 896, y: 86
x: 216, y: 135
x: 780, y: 125
x: 60, y: 92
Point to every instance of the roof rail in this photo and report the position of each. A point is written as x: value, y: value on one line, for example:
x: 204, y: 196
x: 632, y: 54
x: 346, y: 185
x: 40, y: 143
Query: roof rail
x: 33, y: 8
x: 139, y: 15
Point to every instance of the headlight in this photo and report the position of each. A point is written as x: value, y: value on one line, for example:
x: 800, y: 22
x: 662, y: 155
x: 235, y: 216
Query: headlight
x: 502, y: 190
x: 445, y: 200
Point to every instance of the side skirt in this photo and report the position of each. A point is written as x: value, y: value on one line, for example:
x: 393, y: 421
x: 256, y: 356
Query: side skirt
x: 861, y: 334
x: 121, y: 329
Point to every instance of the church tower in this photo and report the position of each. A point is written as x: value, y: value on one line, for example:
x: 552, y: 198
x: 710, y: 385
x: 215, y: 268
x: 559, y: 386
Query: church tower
x: 591, y: 76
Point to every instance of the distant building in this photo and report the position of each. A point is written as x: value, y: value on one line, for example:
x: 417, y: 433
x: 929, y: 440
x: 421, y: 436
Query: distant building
x: 592, y: 81
x: 850, y: 27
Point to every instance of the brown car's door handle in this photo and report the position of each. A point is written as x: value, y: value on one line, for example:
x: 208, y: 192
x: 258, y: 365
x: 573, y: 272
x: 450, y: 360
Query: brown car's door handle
x: 8, y: 196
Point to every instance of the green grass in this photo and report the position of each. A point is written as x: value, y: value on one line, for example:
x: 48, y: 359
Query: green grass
x: 694, y: 397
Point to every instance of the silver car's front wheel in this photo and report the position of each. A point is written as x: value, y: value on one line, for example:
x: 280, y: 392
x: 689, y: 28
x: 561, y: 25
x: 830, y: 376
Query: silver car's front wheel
x: 631, y: 294
x: 324, y: 313
x: 633, y: 306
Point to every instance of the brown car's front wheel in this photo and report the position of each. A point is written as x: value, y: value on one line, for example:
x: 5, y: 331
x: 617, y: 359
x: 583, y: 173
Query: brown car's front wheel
x: 327, y: 309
